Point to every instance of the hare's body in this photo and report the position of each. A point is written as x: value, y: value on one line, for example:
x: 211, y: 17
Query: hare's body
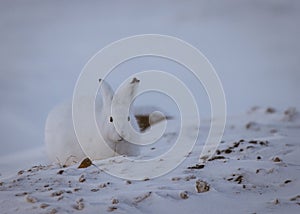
x: 61, y: 142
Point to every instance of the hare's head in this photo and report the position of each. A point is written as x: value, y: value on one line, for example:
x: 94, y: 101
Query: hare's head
x: 121, y: 109
x: 122, y: 101
x: 103, y: 113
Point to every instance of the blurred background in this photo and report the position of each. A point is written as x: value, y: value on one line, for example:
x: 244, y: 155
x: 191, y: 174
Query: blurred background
x: 253, y: 45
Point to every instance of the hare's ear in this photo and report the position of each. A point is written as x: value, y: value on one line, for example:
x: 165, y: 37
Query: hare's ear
x: 128, y: 91
x: 134, y: 84
x: 124, y: 97
x: 106, y: 91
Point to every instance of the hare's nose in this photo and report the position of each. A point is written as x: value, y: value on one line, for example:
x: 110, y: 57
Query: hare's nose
x: 120, y: 139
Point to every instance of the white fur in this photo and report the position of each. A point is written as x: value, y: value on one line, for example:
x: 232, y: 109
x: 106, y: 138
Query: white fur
x: 61, y: 142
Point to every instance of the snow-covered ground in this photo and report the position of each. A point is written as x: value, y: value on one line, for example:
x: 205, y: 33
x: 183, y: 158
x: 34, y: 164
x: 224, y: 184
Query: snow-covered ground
x: 255, y: 170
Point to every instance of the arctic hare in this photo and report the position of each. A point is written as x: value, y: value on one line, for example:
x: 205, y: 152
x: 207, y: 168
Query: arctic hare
x: 61, y: 142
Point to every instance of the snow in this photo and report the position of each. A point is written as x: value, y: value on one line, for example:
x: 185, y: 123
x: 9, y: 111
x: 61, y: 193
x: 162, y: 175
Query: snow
x: 255, y: 170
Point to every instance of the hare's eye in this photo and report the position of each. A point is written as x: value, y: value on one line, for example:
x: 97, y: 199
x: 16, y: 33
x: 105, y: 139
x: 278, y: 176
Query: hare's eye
x: 111, y: 119
x: 128, y: 118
